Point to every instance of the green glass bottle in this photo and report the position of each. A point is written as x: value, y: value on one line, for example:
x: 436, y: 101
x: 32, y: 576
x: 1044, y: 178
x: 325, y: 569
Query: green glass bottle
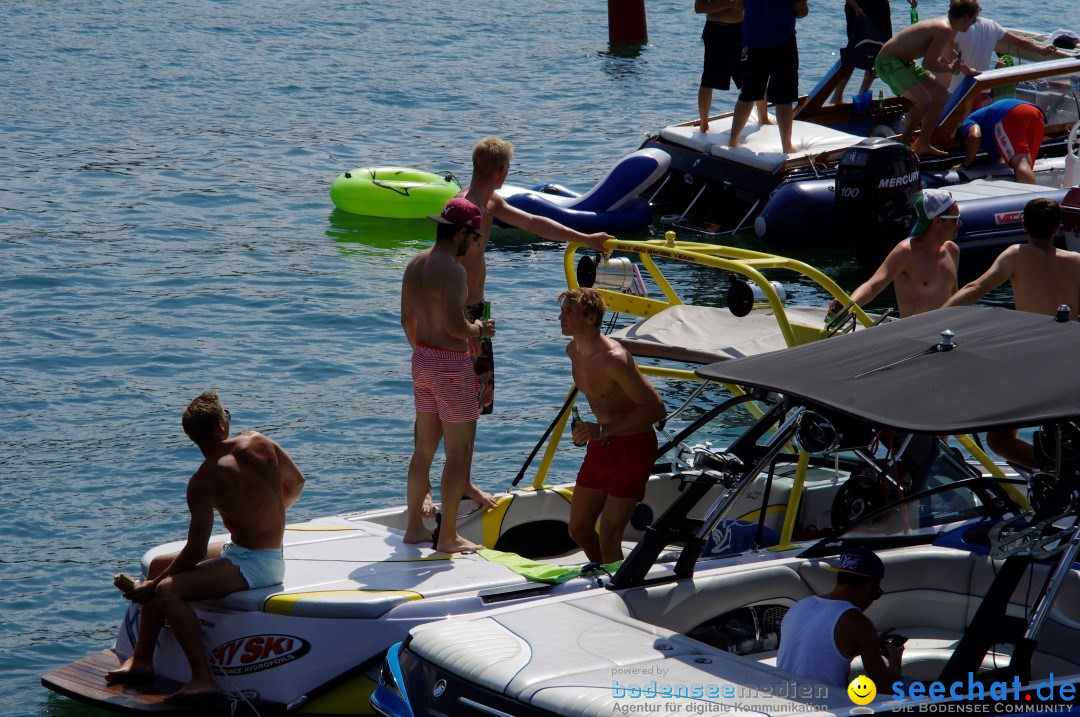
x: 484, y: 318
x: 574, y: 423
x: 914, y: 14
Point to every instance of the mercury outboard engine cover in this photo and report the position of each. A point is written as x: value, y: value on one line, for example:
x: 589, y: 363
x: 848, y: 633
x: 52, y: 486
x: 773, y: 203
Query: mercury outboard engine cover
x: 877, y: 183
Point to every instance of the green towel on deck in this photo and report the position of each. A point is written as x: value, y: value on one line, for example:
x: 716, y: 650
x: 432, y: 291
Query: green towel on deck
x: 538, y: 572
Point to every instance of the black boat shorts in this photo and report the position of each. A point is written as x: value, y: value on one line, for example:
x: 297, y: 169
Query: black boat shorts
x: 771, y: 73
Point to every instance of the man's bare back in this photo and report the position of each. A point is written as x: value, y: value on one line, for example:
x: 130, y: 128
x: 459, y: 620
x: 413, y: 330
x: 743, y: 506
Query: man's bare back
x: 245, y: 487
x: 1044, y: 278
x: 929, y: 38
x: 427, y: 278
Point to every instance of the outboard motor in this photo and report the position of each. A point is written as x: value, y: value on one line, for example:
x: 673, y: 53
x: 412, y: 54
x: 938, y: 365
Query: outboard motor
x: 877, y: 183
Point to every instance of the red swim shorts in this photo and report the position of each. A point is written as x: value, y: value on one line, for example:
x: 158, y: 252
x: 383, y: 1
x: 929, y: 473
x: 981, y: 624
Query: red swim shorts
x: 1019, y: 132
x: 444, y: 382
x: 620, y: 466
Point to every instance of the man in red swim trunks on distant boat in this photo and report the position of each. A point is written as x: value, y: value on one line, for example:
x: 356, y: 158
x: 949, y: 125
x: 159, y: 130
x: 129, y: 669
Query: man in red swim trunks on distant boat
x: 1009, y: 131
x: 621, y: 443
x: 433, y: 292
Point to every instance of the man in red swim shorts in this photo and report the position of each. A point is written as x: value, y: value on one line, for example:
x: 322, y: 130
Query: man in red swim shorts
x: 1009, y: 131
x: 621, y: 443
x: 433, y: 292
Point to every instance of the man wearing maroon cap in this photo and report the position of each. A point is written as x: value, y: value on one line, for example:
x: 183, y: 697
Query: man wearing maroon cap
x: 433, y: 292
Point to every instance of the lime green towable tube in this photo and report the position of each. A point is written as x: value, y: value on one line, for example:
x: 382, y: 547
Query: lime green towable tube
x: 392, y: 192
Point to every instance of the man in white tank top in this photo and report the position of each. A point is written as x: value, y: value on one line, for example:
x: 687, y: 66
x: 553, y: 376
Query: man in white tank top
x: 820, y: 636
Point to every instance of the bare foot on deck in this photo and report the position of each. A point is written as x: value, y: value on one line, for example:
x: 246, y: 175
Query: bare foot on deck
x: 428, y: 508
x: 196, y: 693
x: 486, y: 501
x: 129, y: 673
x: 419, y: 536
x: 703, y: 127
x: 459, y: 545
x: 927, y: 148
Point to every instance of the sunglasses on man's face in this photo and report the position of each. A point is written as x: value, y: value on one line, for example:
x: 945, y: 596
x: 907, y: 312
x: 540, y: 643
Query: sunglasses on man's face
x: 227, y: 415
x: 949, y: 216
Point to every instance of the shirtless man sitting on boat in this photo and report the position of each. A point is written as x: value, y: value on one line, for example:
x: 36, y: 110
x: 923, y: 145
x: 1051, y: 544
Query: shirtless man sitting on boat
x: 433, y: 291
x: 621, y: 443
x: 1043, y: 278
x: 251, y: 481
x: 923, y: 267
x: 930, y: 40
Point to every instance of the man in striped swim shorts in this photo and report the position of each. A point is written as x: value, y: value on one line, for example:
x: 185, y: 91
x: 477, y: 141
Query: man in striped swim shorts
x: 433, y: 294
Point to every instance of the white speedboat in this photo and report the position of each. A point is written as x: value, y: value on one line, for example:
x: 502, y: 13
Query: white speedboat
x: 353, y: 587
x: 986, y: 591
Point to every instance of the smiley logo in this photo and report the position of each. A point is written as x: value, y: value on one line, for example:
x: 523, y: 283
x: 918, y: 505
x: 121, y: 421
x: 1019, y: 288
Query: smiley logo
x: 862, y: 690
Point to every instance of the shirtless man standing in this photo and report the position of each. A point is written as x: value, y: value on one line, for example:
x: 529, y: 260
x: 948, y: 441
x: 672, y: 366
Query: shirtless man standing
x: 930, y: 40
x: 491, y: 163
x: 723, y: 55
x: 433, y: 291
x: 922, y: 267
x: 621, y: 443
x: 251, y: 481
x: 1043, y: 278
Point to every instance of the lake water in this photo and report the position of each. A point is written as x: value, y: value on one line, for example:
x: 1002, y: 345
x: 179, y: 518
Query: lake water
x: 165, y: 228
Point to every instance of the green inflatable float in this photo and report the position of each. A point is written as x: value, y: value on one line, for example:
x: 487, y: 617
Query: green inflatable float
x: 392, y: 192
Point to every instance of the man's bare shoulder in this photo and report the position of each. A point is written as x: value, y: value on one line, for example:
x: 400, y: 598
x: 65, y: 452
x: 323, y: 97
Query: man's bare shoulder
x: 615, y: 353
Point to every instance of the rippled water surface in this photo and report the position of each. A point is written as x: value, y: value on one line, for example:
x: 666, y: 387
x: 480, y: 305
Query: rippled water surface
x: 165, y: 228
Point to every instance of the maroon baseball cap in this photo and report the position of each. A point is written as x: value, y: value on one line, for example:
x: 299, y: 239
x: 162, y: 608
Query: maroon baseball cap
x: 461, y: 212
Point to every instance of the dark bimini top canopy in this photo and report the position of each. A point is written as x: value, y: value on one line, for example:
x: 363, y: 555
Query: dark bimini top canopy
x: 1009, y: 368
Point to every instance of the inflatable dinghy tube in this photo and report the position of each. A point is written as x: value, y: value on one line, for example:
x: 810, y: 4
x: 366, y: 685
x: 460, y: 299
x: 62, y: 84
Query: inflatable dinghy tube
x: 612, y: 206
x: 392, y: 192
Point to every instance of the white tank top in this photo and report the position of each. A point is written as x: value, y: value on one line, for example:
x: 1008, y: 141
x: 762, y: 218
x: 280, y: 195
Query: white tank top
x: 807, y: 642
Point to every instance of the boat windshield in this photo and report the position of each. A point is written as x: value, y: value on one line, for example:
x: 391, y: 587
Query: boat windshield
x: 921, y: 517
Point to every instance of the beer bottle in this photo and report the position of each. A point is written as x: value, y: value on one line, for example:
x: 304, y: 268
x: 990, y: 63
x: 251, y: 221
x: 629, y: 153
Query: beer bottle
x: 484, y: 318
x: 574, y: 423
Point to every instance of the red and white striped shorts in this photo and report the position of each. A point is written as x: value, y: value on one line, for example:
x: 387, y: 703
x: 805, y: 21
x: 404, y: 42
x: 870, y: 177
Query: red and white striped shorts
x: 444, y: 382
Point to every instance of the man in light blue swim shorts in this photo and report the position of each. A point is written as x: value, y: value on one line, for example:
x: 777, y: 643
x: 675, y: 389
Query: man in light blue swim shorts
x: 250, y: 480
x: 261, y: 567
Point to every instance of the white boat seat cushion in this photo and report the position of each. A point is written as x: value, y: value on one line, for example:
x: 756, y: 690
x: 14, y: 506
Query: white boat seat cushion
x: 760, y: 147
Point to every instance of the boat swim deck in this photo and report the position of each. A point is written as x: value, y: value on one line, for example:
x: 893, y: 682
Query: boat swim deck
x: 342, y: 567
x: 84, y: 680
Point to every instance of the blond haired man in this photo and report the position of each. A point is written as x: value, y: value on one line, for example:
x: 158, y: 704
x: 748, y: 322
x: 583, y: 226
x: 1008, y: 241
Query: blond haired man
x: 621, y: 442
x: 491, y: 162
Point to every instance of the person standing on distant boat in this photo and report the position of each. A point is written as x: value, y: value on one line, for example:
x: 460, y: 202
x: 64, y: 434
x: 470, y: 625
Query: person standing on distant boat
x: 977, y: 44
x: 1043, y: 278
x: 923, y: 267
x: 1009, y: 131
x: 869, y: 25
x: 771, y: 66
x: 723, y: 55
x: 251, y: 481
x: 433, y: 291
x: 621, y: 442
x: 932, y: 41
